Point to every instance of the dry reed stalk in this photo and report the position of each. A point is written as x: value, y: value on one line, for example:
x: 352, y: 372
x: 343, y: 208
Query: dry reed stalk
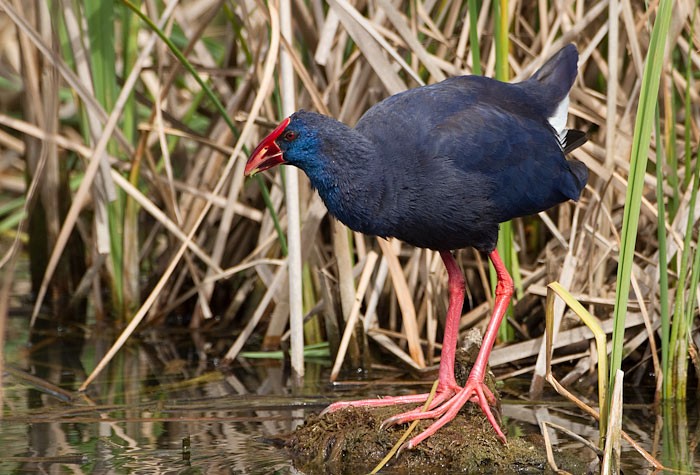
x: 405, y: 300
x: 294, y: 266
x: 611, y: 454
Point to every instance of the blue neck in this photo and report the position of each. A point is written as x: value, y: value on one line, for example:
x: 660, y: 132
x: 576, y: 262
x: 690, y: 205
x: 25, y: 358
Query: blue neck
x: 349, y: 181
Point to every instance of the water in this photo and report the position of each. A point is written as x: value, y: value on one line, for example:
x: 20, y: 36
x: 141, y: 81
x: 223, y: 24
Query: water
x: 145, y: 416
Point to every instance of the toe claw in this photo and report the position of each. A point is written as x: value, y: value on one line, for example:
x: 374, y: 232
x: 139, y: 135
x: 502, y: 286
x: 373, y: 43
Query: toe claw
x: 386, y: 423
x: 334, y: 407
x: 404, y: 446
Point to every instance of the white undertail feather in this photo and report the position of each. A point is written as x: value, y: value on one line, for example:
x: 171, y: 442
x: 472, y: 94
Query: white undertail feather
x: 558, y: 120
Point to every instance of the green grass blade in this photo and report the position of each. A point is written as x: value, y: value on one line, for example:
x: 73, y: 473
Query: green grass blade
x: 12, y: 220
x: 101, y: 33
x: 638, y: 162
x: 681, y: 324
x: 315, y: 350
x: 671, y: 154
x: 688, y: 119
x: 474, y: 37
x: 500, y: 18
x: 695, y: 277
x: 663, y: 264
x: 505, y: 232
x: 130, y: 53
x: 100, y: 23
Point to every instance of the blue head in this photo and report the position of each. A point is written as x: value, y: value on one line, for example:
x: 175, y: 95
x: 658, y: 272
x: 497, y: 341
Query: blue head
x: 338, y: 160
x: 297, y: 141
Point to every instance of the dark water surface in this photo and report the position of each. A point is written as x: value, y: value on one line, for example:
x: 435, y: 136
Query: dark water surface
x: 157, y: 409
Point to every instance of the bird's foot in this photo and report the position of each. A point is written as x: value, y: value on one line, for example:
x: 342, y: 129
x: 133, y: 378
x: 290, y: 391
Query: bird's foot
x: 475, y: 390
x: 443, y: 393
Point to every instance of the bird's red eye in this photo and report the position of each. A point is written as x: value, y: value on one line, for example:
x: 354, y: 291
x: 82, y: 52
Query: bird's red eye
x: 290, y: 135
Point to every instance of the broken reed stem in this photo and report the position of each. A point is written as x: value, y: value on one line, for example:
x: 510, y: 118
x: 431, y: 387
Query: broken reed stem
x: 408, y: 431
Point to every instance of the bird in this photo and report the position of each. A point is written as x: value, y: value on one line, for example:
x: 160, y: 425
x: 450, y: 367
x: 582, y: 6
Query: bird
x: 439, y: 167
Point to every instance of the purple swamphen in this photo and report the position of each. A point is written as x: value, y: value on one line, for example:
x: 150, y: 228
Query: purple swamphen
x: 439, y: 167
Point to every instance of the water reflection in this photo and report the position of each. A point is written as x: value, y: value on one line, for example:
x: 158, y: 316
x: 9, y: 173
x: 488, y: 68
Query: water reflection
x: 157, y: 396
x: 679, y: 446
x: 137, y: 415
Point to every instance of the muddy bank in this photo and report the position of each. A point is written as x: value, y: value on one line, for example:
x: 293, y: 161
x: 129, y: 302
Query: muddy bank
x: 350, y: 441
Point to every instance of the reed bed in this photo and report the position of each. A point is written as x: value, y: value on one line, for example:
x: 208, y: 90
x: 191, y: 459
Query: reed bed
x: 125, y: 127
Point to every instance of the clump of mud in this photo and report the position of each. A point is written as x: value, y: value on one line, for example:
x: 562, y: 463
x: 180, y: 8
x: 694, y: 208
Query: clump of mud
x: 350, y: 441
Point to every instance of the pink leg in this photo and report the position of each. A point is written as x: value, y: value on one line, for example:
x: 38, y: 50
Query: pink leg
x: 447, y: 385
x: 474, y: 389
x: 450, y: 397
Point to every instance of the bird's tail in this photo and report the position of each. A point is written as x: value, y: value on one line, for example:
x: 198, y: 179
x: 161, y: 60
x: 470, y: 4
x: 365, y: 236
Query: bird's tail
x: 557, y: 75
x: 573, y: 140
x: 550, y: 86
x: 552, y: 83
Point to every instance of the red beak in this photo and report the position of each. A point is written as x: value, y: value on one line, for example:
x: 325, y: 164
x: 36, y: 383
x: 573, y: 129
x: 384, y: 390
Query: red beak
x: 267, y: 154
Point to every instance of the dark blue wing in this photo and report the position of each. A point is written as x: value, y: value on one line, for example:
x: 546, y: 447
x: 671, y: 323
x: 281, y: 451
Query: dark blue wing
x: 520, y: 155
x: 465, y: 154
x: 473, y: 151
